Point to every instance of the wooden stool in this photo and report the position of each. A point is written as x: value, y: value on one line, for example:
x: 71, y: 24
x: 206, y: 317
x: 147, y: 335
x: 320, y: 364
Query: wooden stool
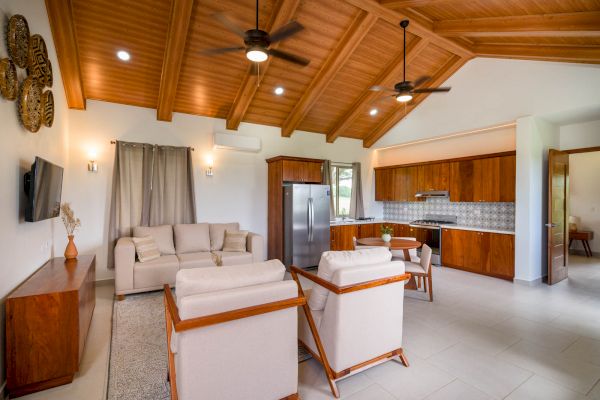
x: 584, y: 236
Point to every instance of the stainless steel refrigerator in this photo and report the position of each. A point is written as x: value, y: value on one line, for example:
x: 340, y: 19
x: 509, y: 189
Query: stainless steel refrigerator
x: 305, y: 223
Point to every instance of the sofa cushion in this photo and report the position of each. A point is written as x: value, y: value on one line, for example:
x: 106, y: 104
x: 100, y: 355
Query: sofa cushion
x: 212, y: 279
x: 235, y: 241
x: 191, y: 238
x: 234, y: 257
x: 155, y: 273
x: 195, y: 260
x: 146, y: 248
x: 217, y: 234
x: 163, y: 234
x: 334, y: 260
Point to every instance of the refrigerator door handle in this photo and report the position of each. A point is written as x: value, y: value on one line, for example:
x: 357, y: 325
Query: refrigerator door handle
x: 311, y: 219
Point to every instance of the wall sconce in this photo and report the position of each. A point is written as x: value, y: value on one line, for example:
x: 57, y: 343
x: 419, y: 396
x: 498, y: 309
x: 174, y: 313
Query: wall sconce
x: 209, y: 166
x: 92, y: 166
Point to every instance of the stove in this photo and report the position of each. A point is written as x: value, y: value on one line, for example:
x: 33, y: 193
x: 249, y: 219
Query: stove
x: 433, y: 221
x: 428, y: 231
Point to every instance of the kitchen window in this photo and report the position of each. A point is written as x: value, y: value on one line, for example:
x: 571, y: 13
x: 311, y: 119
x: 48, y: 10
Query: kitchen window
x: 341, y: 183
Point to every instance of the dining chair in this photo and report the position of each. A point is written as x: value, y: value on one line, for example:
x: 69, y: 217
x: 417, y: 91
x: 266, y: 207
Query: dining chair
x: 422, y: 269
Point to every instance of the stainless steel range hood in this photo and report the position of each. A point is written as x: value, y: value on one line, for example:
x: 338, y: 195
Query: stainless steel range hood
x: 433, y: 193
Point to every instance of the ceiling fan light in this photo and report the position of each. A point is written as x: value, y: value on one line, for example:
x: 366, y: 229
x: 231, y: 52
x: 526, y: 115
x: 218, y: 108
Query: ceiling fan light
x: 256, y: 54
x: 404, y: 97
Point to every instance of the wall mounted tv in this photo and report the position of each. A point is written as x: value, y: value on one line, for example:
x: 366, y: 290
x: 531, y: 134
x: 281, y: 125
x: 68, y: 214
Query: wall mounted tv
x: 43, y: 187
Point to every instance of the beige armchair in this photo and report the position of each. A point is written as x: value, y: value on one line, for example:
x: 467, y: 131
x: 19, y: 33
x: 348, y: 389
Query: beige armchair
x: 232, y: 333
x: 357, y: 322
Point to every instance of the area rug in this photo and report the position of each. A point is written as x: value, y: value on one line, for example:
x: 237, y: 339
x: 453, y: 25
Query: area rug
x: 138, y: 353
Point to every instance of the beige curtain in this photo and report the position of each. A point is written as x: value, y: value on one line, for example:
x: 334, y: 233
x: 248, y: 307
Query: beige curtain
x: 326, y: 179
x: 172, y: 195
x: 152, y: 185
x: 356, y: 197
x: 130, y: 200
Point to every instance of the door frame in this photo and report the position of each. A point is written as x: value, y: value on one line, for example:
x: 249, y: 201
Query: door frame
x: 583, y: 150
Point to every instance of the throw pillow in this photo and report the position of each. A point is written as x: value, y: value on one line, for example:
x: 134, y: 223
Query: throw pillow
x: 146, y: 248
x: 235, y: 241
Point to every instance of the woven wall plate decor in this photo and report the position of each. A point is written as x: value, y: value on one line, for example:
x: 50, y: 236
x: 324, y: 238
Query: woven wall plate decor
x: 18, y: 40
x: 39, y: 65
x: 30, y: 104
x: 47, y: 108
x: 9, y: 82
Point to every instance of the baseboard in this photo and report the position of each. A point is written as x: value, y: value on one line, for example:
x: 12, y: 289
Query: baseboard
x: 577, y: 252
x: 105, y: 282
x: 534, y: 282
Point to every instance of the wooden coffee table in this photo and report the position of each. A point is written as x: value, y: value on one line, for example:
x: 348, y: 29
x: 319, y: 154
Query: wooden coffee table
x: 395, y: 244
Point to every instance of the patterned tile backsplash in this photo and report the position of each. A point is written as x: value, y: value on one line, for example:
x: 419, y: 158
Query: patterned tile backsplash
x: 480, y: 215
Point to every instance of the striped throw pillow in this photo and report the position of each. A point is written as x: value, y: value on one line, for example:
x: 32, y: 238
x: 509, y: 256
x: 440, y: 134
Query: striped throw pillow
x: 235, y: 241
x: 146, y: 248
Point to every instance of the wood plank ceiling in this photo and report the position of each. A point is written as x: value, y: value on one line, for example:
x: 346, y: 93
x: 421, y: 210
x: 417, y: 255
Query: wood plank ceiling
x: 352, y: 45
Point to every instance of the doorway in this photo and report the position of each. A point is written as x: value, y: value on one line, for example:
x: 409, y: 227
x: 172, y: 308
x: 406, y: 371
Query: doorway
x: 574, y: 216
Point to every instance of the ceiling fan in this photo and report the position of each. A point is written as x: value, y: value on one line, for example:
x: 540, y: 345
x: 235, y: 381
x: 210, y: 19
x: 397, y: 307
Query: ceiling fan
x: 257, y: 41
x: 404, y: 91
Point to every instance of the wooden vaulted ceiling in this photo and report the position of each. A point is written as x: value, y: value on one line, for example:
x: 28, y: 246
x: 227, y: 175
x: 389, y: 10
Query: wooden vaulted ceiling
x: 352, y: 45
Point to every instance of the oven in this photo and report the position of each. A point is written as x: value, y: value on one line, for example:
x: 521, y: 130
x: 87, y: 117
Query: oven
x: 430, y: 235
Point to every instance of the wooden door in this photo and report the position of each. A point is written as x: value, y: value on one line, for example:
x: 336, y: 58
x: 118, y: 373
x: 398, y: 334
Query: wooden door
x: 508, y: 178
x: 342, y: 237
x: 384, y: 184
x: 401, y: 230
x: 293, y: 170
x: 475, y: 247
x: 465, y: 179
x: 433, y: 177
x: 311, y: 172
x: 502, y: 255
x: 411, y: 183
x: 488, y: 189
x: 366, y: 231
x: 452, y: 248
x: 558, y: 199
x: 398, y: 185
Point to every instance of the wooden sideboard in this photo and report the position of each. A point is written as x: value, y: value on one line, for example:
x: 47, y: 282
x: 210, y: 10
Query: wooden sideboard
x: 47, y: 320
x: 284, y: 169
x: 484, y: 178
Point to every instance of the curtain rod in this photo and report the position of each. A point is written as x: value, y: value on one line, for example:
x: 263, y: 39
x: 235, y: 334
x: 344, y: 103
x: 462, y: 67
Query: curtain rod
x: 115, y: 142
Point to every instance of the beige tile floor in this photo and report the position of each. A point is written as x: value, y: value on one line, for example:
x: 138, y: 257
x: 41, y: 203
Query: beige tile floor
x: 481, y: 339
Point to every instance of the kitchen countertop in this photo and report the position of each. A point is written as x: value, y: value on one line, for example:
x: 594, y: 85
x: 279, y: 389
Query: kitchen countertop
x: 461, y: 227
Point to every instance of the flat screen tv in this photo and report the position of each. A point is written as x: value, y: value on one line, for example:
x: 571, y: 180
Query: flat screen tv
x: 43, y: 187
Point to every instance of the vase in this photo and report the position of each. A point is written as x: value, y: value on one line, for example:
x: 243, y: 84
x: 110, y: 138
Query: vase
x: 71, y: 250
x: 386, y: 237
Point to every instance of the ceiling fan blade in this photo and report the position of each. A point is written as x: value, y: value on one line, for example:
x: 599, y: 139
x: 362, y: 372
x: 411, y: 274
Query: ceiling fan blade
x: 382, y: 89
x: 284, y: 55
x: 289, y: 29
x: 421, y: 80
x: 221, y: 50
x: 229, y: 24
x: 432, y: 90
x: 387, y: 97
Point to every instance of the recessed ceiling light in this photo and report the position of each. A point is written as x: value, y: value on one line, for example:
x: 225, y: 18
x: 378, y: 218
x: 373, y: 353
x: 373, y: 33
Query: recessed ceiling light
x: 373, y: 112
x: 278, y: 90
x: 123, y: 55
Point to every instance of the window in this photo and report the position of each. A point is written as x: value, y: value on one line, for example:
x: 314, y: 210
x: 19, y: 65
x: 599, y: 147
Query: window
x: 341, y: 182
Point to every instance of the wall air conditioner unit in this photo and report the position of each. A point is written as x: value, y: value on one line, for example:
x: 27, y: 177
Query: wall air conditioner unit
x: 233, y: 141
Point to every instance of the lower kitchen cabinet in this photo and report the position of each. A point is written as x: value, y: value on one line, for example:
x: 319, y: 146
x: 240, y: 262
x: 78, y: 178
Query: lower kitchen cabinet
x: 341, y: 237
x: 480, y: 252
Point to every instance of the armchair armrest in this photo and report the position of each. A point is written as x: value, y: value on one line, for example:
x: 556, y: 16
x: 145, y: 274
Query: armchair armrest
x: 295, y: 271
x: 255, y: 245
x: 124, y: 262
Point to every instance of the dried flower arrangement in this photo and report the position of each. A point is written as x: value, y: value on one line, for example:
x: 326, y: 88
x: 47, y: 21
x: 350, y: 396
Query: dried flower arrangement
x: 68, y: 217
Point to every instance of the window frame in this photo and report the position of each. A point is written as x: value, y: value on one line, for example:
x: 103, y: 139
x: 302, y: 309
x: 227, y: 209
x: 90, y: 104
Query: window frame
x: 336, y: 184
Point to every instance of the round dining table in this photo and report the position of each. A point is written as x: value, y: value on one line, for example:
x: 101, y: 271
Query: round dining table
x: 394, y: 244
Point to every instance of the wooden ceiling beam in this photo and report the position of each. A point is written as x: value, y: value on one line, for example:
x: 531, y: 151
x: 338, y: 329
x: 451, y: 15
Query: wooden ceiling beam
x: 398, y: 4
x: 359, y: 28
x: 577, y: 54
x: 281, y: 15
x: 566, y: 24
x: 417, y: 26
x: 179, y: 22
x: 388, y: 77
x: 60, y: 15
x: 453, y: 65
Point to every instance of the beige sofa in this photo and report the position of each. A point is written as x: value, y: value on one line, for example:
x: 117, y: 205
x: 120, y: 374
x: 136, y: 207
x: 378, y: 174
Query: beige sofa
x: 181, y: 246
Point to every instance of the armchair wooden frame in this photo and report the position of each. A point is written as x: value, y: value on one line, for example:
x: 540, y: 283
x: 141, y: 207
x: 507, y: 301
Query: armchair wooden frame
x: 333, y: 376
x: 175, y: 323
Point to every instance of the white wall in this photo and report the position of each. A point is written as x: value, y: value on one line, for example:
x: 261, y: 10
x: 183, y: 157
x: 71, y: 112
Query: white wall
x: 488, y: 141
x: 534, y: 137
x: 584, y: 181
x: 236, y: 192
x: 581, y: 135
x: 488, y: 92
x: 26, y: 246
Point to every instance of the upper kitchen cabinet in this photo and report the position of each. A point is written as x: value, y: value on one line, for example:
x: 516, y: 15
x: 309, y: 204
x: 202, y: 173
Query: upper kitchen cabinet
x: 302, y: 171
x: 433, y: 177
x: 490, y: 179
x: 396, y: 184
x: 385, y: 184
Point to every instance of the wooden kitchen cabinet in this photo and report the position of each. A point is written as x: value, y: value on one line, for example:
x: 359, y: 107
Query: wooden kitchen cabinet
x: 366, y: 230
x: 301, y: 171
x: 385, y: 184
x: 465, y: 180
x: 401, y: 230
x: 341, y: 237
x: 433, y: 177
x: 480, y: 252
